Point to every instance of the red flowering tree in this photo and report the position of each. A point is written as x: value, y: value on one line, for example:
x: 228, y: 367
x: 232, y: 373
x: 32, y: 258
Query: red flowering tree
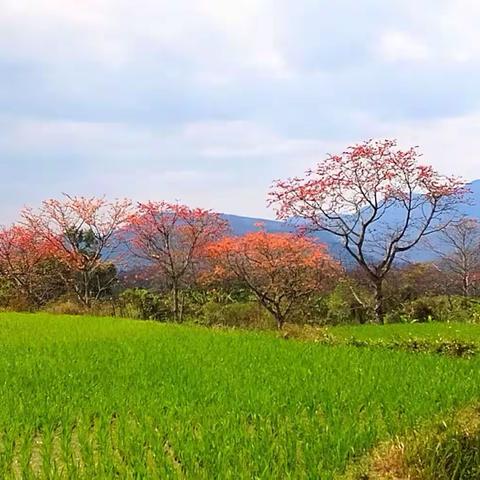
x: 83, y: 233
x: 281, y: 269
x: 173, y: 238
x: 24, y: 258
x: 377, y: 199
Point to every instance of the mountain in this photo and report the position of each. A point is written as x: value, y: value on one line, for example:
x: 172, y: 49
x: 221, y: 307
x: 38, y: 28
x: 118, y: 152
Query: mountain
x: 473, y: 209
x: 241, y: 225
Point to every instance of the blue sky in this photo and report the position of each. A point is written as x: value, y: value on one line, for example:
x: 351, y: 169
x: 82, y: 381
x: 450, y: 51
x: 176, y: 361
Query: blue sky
x: 208, y: 101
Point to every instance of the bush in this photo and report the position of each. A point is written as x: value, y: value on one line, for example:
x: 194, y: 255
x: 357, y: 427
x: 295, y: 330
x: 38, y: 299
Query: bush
x: 343, y: 305
x: 239, y: 314
x: 143, y: 304
x: 442, y: 308
x: 65, y: 306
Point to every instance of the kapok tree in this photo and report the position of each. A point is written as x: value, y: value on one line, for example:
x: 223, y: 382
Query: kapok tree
x: 83, y: 233
x: 24, y: 258
x: 281, y: 269
x: 376, y: 198
x: 173, y: 238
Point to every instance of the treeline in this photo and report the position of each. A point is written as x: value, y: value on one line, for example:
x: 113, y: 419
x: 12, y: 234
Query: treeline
x: 165, y: 261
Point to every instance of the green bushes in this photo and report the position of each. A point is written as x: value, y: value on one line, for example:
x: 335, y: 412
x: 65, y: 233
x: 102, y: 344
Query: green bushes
x: 143, y: 304
x: 348, y: 303
x: 442, y: 308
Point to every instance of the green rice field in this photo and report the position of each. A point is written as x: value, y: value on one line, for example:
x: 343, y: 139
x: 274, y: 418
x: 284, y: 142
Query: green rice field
x: 85, y: 397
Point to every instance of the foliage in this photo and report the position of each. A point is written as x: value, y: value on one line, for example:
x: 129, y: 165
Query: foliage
x: 443, y: 308
x: 349, y: 302
x: 65, y: 306
x: 143, y: 304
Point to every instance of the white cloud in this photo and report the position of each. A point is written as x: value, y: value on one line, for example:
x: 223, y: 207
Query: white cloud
x: 401, y: 46
x: 209, y: 100
x: 221, y: 37
x: 452, y: 145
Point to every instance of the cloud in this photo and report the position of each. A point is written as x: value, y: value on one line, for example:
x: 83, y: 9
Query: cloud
x: 398, y: 46
x: 210, y: 100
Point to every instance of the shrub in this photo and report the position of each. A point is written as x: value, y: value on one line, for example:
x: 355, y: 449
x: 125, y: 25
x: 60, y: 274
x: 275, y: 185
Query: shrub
x: 443, y: 308
x: 143, y: 304
x: 348, y: 303
x: 239, y: 314
x: 65, y: 306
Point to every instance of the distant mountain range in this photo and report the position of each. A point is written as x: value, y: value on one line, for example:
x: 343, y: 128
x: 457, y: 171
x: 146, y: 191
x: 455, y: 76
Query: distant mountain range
x: 241, y: 225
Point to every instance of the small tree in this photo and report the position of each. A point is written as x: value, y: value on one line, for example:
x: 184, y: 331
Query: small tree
x: 281, y: 269
x: 458, y: 247
x: 376, y: 199
x: 83, y: 233
x: 173, y: 238
x: 26, y: 263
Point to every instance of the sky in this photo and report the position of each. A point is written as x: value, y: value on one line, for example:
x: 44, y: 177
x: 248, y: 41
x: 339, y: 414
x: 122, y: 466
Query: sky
x: 207, y: 101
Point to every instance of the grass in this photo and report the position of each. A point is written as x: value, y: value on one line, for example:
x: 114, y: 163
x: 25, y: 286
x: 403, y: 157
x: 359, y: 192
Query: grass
x: 87, y: 397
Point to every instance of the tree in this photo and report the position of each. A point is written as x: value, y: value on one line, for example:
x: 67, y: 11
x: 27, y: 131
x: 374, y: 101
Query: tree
x: 173, y: 238
x: 458, y: 247
x: 26, y: 263
x: 83, y: 233
x: 376, y: 199
x: 281, y: 269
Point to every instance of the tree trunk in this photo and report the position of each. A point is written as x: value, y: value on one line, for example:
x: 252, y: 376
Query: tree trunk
x: 86, y: 289
x: 176, y: 303
x: 280, y: 320
x: 379, y: 299
x: 466, y: 285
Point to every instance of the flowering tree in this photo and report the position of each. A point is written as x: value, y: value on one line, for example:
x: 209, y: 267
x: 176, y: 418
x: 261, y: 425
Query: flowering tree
x: 376, y: 199
x: 281, y: 269
x: 83, y: 233
x: 24, y: 258
x: 173, y: 238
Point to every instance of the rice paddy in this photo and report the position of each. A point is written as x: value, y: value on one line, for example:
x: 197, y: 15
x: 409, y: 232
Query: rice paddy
x: 85, y: 397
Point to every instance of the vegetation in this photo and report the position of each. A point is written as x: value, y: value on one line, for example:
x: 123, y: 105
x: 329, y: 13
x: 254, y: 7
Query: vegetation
x: 86, y: 397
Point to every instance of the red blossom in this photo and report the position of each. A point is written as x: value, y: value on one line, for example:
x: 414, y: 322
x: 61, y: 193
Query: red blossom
x: 281, y: 269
